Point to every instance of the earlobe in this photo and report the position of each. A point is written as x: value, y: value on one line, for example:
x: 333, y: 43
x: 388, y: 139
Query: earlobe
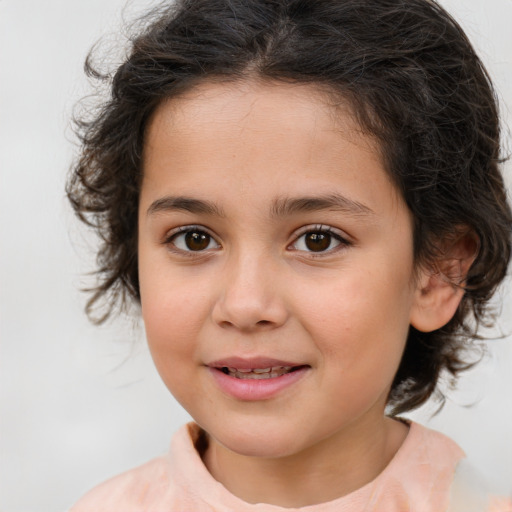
x: 436, y: 301
x: 440, y: 286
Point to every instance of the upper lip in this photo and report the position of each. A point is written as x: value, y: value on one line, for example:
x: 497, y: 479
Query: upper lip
x: 249, y: 363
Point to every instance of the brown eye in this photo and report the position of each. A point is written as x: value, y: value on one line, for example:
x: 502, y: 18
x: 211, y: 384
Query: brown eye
x: 317, y: 242
x: 197, y: 240
x: 193, y: 240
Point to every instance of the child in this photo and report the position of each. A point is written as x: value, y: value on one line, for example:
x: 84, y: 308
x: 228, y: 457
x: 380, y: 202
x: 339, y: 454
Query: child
x: 304, y: 197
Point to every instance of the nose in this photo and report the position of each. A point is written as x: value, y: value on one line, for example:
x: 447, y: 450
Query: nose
x: 249, y: 298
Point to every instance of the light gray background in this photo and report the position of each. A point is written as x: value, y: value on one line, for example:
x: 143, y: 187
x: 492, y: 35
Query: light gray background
x: 81, y: 403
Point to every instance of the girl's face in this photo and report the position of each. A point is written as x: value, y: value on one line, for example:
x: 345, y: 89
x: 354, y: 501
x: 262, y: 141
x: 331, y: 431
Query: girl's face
x: 276, y: 266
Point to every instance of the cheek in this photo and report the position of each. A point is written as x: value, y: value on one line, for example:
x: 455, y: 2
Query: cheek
x: 167, y: 304
x: 172, y: 319
x: 360, y: 321
x: 171, y: 332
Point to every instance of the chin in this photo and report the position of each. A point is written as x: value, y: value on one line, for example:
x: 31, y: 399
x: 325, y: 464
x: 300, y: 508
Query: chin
x: 259, y: 447
x: 257, y: 441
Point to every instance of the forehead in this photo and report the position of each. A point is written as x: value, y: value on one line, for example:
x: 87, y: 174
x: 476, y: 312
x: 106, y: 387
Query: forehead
x: 306, y: 110
x: 268, y: 138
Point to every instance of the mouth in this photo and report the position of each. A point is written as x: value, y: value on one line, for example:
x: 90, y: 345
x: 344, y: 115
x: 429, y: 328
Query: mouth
x: 271, y: 372
x: 256, y: 378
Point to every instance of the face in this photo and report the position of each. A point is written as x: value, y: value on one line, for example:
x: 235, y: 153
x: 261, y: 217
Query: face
x: 275, y: 265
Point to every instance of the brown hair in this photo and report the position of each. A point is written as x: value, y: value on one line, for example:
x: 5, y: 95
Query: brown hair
x: 413, y: 81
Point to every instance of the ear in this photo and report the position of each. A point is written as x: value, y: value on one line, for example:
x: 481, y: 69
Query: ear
x: 440, y: 285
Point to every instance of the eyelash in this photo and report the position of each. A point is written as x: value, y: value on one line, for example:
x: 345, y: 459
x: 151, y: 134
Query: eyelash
x: 170, y: 240
x: 341, y: 240
x: 319, y: 229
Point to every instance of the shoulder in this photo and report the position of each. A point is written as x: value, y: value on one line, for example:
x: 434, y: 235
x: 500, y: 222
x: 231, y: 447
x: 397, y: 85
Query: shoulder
x: 428, y: 452
x: 176, y: 481
x: 420, y: 473
x: 133, y: 490
x: 469, y: 492
x: 467, y: 489
x: 429, y: 460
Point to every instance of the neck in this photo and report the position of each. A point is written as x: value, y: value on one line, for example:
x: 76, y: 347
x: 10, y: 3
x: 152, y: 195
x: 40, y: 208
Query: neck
x: 330, y: 469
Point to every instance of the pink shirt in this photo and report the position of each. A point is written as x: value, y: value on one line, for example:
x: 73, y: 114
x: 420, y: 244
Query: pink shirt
x: 427, y: 474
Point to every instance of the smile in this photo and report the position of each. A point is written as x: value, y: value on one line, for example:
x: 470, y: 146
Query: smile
x: 255, y: 379
x: 257, y: 373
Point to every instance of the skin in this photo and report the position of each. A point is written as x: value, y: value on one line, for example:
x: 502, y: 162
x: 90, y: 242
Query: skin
x: 248, y: 149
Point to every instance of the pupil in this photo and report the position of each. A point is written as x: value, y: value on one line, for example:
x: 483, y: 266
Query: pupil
x: 318, y: 241
x: 197, y: 241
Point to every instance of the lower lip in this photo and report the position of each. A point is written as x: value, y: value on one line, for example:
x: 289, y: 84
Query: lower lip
x: 256, y: 389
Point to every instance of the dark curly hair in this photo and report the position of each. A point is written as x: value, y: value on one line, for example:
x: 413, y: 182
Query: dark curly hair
x: 413, y: 81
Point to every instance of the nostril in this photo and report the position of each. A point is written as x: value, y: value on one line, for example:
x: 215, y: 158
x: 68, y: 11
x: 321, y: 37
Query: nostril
x: 263, y: 322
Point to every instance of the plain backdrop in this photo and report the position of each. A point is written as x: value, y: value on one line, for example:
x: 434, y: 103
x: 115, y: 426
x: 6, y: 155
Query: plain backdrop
x: 81, y: 403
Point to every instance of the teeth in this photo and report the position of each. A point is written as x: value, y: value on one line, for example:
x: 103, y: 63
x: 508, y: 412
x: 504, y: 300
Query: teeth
x: 258, y: 373
x: 261, y: 370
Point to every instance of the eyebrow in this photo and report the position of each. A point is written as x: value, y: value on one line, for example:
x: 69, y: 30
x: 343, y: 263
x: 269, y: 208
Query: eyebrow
x: 185, y: 204
x: 288, y: 206
x: 281, y: 207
